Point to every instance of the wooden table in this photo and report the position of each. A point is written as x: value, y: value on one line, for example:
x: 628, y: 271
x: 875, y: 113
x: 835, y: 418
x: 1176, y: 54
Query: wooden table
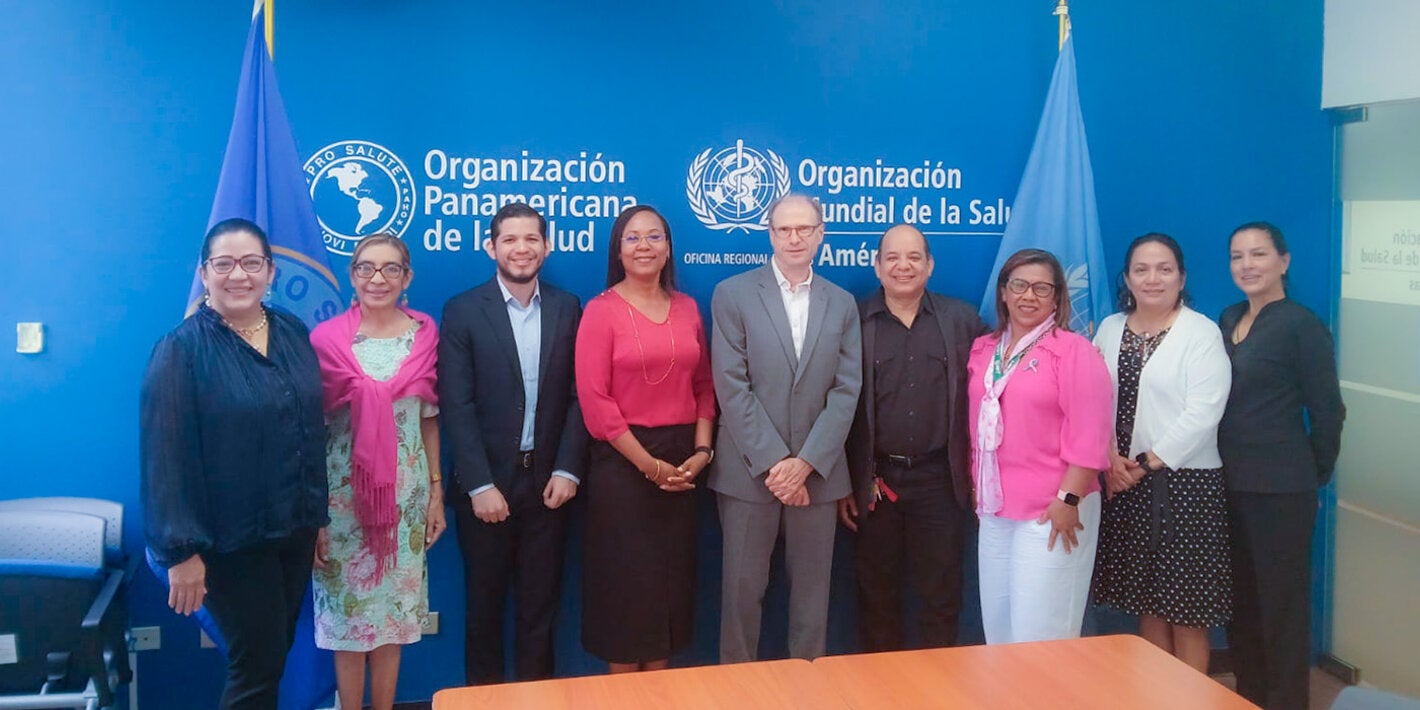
x: 744, y: 686
x: 1094, y: 672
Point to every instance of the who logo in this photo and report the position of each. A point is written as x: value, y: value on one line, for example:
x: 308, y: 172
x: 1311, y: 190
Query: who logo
x: 733, y: 188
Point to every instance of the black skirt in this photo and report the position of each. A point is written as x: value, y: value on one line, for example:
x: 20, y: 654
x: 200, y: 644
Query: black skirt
x: 638, y: 570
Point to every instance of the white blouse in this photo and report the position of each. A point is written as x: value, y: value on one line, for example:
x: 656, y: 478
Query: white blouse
x: 1182, y: 390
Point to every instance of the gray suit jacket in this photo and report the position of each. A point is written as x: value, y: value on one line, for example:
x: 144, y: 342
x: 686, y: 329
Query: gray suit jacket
x: 772, y: 404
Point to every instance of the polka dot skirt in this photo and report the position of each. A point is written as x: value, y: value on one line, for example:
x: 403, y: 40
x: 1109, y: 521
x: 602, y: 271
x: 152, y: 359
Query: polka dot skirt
x: 1163, y: 552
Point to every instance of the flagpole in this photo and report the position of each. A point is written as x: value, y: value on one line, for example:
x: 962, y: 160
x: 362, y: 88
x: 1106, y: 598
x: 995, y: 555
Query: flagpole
x: 269, y: 23
x: 1062, y: 11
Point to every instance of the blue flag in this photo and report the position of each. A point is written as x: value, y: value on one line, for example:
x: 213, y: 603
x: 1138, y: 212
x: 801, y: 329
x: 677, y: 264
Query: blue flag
x: 262, y: 181
x: 1055, y: 205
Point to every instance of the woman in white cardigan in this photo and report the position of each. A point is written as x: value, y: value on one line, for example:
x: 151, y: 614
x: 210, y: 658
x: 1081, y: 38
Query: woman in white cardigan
x: 1163, y: 550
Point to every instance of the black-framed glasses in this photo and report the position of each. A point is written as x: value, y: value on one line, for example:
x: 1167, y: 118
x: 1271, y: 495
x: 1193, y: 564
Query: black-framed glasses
x: 1043, y: 289
x: 634, y: 239
x: 252, y: 264
x: 802, y: 231
x: 392, y: 272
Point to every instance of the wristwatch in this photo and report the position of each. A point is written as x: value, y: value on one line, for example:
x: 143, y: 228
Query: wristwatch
x: 1143, y: 460
x: 1067, y: 498
x: 707, y: 451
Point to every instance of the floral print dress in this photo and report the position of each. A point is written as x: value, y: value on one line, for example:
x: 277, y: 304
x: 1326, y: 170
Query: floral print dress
x: 354, y: 611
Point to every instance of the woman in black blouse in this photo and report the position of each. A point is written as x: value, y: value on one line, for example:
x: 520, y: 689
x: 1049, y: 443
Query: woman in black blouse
x: 1284, y: 377
x: 232, y: 449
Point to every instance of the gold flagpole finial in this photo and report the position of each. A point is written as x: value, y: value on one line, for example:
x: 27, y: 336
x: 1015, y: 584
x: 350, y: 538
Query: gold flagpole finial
x: 271, y: 28
x: 1062, y: 11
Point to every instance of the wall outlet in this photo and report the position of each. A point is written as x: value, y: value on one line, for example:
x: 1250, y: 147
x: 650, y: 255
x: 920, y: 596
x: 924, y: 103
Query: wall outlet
x: 431, y: 624
x: 146, y: 638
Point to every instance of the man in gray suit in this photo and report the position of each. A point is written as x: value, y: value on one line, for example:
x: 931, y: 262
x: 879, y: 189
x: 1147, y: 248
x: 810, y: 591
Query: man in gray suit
x: 786, y: 351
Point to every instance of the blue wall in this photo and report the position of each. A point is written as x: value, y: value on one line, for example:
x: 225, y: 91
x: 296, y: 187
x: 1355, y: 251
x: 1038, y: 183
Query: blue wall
x: 1200, y: 116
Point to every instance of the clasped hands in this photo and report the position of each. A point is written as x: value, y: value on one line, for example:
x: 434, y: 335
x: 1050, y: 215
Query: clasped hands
x: 786, y: 481
x: 1122, y: 475
x: 675, y: 479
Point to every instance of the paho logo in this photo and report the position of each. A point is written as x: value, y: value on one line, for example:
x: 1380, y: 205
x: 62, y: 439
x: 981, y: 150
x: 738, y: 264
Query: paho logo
x: 732, y: 189
x: 359, y: 188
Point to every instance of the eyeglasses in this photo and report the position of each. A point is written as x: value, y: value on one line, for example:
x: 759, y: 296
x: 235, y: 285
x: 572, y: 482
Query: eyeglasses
x: 802, y: 231
x: 634, y: 239
x: 225, y: 264
x: 392, y: 272
x: 1043, y: 289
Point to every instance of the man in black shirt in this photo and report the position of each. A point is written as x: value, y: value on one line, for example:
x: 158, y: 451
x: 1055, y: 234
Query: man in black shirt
x: 909, y: 451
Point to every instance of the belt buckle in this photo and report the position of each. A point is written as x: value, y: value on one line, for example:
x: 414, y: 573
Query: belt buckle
x: 903, y: 461
x: 527, y: 460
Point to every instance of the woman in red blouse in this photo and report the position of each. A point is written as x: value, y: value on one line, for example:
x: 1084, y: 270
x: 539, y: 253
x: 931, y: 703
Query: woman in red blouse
x: 643, y: 381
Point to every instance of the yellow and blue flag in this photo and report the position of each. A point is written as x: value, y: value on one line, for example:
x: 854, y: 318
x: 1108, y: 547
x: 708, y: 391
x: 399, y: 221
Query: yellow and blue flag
x: 262, y: 180
x: 1055, y: 209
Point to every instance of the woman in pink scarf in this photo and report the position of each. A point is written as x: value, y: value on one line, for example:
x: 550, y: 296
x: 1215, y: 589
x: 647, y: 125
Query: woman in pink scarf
x: 382, y: 457
x: 1041, y: 415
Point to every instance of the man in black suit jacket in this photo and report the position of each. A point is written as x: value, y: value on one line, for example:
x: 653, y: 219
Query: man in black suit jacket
x: 909, y: 451
x: 511, y: 420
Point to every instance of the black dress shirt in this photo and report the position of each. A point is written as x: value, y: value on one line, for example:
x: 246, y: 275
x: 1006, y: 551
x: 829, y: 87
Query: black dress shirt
x: 1284, y: 377
x: 231, y: 443
x: 910, y: 382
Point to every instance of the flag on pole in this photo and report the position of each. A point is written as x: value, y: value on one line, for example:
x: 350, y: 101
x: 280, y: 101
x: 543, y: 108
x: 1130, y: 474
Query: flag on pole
x: 1054, y: 208
x: 262, y: 180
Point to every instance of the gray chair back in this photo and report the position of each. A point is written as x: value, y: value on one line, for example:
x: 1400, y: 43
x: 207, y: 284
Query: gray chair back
x: 110, y: 511
x: 52, y: 536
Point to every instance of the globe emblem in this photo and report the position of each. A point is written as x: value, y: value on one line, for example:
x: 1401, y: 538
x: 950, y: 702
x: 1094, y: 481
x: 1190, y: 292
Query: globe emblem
x: 733, y: 188
x: 358, y: 189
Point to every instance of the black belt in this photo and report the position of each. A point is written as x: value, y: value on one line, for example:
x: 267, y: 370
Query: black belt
x: 913, y: 461
x: 525, y: 460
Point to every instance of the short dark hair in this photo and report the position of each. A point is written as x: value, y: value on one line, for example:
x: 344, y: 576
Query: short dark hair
x: 615, y: 271
x: 1124, y: 298
x: 1026, y: 257
x: 232, y: 225
x: 516, y: 209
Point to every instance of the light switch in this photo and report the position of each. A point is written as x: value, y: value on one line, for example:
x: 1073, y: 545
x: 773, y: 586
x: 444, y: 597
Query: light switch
x: 29, y: 338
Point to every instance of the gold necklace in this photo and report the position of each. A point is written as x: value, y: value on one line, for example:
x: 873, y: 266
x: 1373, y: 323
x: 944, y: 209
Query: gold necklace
x: 248, y: 333
x: 635, y: 332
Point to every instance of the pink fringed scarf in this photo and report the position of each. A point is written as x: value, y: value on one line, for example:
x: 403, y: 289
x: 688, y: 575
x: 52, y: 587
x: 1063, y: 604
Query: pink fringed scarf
x: 374, y: 439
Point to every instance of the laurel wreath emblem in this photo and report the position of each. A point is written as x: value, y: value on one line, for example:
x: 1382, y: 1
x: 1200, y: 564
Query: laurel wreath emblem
x: 695, y: 194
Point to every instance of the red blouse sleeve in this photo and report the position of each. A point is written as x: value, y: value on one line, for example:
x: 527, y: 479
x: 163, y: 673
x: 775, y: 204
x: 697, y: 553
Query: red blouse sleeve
x: 595, y: 341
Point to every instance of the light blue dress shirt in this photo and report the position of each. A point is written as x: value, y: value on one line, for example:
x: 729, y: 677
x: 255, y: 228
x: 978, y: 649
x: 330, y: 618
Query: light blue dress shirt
x: 527, y: 334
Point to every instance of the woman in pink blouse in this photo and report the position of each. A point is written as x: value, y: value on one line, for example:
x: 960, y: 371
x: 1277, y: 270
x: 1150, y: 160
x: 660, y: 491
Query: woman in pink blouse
x: 643, y: 380
x: 1041, y: 406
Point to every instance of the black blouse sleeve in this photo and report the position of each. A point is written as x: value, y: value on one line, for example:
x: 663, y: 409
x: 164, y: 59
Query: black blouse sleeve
x: 170, y: 453
x: 1321, y: 394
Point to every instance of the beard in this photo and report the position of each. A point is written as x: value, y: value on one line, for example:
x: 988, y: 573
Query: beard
x: 512, y: 278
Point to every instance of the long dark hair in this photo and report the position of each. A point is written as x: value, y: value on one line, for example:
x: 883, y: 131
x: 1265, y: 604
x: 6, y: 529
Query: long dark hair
x: 615, y: 271
x: 1124, y: 298
x: 1025, y: 257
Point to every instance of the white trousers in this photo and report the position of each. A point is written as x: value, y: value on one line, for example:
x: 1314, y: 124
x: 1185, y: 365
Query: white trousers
x: 1027, y: 592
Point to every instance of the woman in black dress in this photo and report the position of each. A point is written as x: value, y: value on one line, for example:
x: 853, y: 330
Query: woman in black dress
x: 1284, y: 377
x: 644, y: 385
x: 1163, y: 551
